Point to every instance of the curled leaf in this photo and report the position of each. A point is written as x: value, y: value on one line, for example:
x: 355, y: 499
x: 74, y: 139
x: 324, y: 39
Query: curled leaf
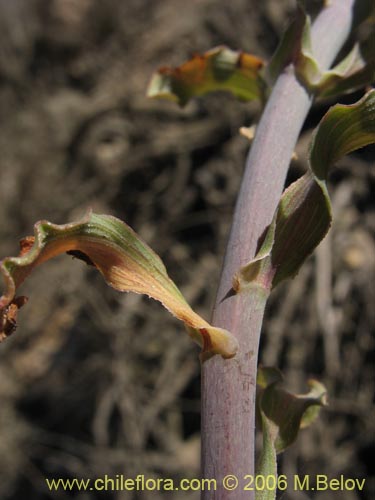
x: 267, y: 375
x: 289, y: 46
x: 343, y: 129
x: 286, y: 413
x: 217, y: 69
x: 350, y: 74
x: 126, y: 263
x: 353, y: 72
x: 303, y: 215
x: 281, y: 415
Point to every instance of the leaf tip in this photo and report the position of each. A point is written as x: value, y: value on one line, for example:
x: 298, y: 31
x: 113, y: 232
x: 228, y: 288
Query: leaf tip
x: 8, y: 316
x: 214, y: 340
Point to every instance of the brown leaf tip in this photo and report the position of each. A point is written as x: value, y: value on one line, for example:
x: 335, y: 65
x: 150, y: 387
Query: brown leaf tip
x: 26, y: 244
x: 248, y: 61
x: 8, y: 317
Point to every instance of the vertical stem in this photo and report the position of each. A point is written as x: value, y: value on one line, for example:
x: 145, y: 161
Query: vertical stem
x: 228, y: 386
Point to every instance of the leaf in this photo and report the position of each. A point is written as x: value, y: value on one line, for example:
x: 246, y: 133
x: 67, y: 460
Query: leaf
x: 126, y: 263
x: 342, y: 130
x: 218, y: 69
x: 354, y: 72
x: 349, y: 83
x: 303, y: 215
x: 351, y: 74
x: 289, y: 45
x: 281, y: 415
x: 267, y: 375
x: 287, y: 413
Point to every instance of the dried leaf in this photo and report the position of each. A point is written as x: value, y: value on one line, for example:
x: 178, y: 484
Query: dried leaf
x: 126, y: 263
x: 217, y: 69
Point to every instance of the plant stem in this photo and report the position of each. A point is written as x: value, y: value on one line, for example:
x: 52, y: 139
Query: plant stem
x: 228, y: 386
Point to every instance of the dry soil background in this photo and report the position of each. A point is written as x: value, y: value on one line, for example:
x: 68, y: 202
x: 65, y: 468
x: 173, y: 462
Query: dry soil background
x: 95, y: 382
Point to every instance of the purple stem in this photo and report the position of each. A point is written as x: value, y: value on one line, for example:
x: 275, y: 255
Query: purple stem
x: 228, y: 386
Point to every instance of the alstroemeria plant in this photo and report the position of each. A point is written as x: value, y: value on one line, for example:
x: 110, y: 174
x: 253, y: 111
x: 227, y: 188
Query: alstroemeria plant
x: 271, y: 237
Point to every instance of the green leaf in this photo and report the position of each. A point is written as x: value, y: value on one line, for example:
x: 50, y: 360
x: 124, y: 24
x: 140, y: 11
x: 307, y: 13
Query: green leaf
x: 304, y: 216
x: 217, y: 69
x: 342, y: 130
x: 299, y: 224
x: 286, y: 412
x: 354, y: 72
x: 333, y: 86
x: 281, y: 415
x: 289, y: 45
x: 126, y: 262
x: 267, y: 375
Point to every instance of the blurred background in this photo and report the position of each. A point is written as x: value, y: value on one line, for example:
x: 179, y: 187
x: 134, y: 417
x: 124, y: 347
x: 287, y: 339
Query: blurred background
x: 96, y: 382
